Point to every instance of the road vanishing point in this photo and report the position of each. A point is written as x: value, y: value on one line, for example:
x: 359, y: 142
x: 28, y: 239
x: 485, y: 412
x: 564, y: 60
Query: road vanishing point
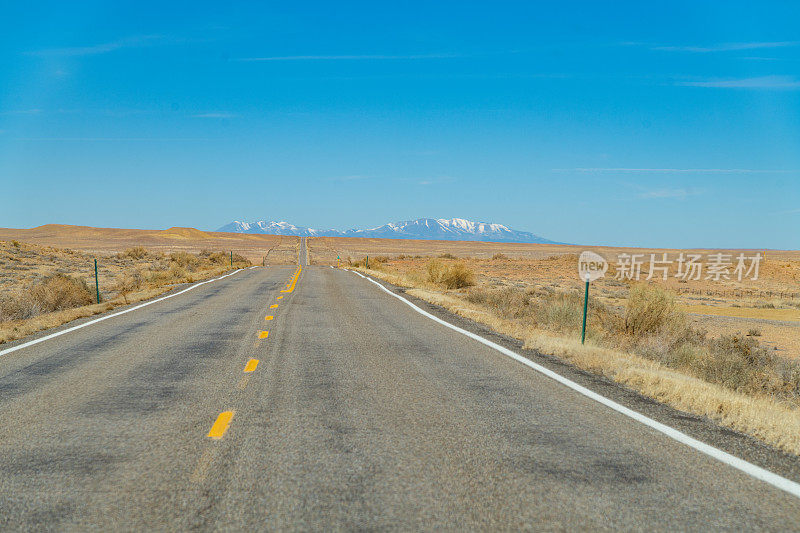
x: 312, y: 398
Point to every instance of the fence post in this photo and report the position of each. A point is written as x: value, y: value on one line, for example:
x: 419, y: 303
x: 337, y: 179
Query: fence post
x: 231, y: 258
x: 96, y: 281
x: 585, y: 309
x: 366, y: 263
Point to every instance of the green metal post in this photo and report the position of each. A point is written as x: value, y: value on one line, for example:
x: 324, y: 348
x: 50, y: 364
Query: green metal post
x: 585, y: 308
x: 231, y: 258
x: 367, y: 263
x: 96, y: 282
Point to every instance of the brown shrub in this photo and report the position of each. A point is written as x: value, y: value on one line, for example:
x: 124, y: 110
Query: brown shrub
x: 651, y: 309
x: 217, y: 258
x: 435, y: 269
x: 507, y: 302
x: 454, y: 276
x: 130, y: 282
x: 184, y: 260
x: 239, y: 260
x: 375, y: 263
x: 556, y: 311
x: 458, y: 276
x: 561, y: 311
x: 53, y: 293
x: 136, y: 253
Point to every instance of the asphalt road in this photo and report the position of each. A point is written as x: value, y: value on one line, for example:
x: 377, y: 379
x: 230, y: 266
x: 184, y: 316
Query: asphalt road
x: 360, y: 414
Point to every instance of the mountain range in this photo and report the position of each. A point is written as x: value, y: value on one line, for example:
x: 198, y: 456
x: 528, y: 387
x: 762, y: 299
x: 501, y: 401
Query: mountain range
x: 453, y: 229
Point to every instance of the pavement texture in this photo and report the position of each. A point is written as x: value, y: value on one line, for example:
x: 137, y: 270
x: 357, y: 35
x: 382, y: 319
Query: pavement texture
x: 360, y: 414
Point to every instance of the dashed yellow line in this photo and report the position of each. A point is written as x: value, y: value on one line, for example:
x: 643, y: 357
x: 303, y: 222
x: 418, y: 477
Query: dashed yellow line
x: 224, y: 419
x: 293, y: 281
x: 221, y: 425
x: 279, y: 297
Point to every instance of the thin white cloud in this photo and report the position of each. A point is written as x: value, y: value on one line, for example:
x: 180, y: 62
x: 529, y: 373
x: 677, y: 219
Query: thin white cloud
x: 352, y: 177
x: 21, y: 112
x: 727, y: 47
x: 214, y: 115
x: 111, y: 139
x: 436, y: 181
x: 348, y: 57
x: 761, y: 82
x: 667, y: 170
x: 668, y: 193
x: 101, y: 48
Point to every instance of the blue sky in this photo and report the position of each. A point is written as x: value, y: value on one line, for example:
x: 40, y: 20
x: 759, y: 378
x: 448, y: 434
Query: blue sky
x: 655, y: 124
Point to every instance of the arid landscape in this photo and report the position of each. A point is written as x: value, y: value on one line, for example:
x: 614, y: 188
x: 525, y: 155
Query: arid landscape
x: 768, y: 306
x: 266, y: 249
x: 737, y: 336
x: 47, y: 273
x: 415, y: 266
x: 725, y: 348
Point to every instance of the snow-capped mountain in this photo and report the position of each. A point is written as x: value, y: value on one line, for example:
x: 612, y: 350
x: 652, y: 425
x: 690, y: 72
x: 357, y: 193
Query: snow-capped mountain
x: 263, y: 226
x: 454, y: 229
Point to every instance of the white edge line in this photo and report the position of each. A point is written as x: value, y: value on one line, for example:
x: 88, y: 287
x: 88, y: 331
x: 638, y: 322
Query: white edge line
x: 96, y: 320
x: 740, y: 464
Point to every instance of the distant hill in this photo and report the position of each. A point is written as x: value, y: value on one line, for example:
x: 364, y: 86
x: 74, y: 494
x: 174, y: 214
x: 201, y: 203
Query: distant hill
x: 454, y: 229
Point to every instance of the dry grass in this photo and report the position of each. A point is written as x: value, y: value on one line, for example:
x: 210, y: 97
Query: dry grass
x: 455, y: 276
x: 42, y: 287
x: 771, y: 304
x: 651, y: 309
x: 649, y: 347
x: 271, y: 249
x: 54, y: 293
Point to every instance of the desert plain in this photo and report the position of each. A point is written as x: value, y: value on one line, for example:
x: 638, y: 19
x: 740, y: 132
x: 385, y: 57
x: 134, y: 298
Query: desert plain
x: 768, y: 307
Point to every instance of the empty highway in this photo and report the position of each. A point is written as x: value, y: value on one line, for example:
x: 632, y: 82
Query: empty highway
x: 285, y: 398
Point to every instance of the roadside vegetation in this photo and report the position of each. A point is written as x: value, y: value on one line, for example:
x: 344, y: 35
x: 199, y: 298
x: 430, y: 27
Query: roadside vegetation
x: 647, y: 344
x: 42, y: 287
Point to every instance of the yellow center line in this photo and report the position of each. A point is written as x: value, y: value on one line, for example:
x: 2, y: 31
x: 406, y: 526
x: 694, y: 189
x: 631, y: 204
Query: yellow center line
x: 293, y: 281
x: 279, y: 297
x: 251, y: 365
x: 263, y: 334
x: 268, y: 317
x: 243, y: 382
x: 221, y: 425
x: 273, y: 306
